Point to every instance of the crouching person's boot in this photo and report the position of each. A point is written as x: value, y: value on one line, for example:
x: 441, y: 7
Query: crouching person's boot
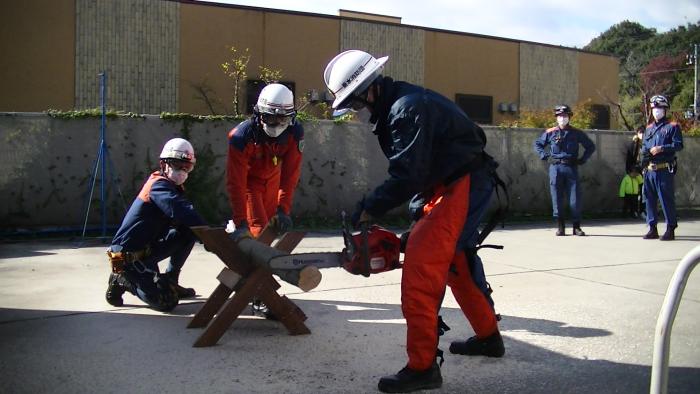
x: 407, y: 380
x: 117, y: 283
x: 182, y: 292
x: 491, y: 346
x: 577, y: 229
x: 670, y: 234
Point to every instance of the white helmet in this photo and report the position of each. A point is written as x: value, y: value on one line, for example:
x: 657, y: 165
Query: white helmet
x: 179, y: 149
x: 275, y: 99
x: 351, y: 71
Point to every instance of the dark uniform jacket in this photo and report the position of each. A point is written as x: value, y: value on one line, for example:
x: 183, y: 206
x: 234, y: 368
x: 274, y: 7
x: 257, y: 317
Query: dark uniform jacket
x: 665, y: 134
x: 564, y: 145
x: 160, y: 205
x: 427, y: 139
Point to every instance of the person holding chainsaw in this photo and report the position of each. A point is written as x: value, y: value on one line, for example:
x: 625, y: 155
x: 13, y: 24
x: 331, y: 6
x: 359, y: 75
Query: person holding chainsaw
x: 156, y: 227
x: 264, y: 164
x: 436, y: 155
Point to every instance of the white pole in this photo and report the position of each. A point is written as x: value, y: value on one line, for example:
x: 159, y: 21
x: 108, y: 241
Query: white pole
x: 664, y: 324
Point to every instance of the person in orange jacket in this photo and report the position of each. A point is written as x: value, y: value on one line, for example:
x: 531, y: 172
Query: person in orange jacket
x: 264, y: 164
x: 263, y: 168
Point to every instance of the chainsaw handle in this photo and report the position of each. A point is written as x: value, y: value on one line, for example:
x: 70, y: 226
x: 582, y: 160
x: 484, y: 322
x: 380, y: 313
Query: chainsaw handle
x: 364, y: 249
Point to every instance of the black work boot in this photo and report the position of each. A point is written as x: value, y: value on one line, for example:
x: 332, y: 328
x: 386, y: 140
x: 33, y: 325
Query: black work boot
x: 182, y: 292
x: 669, y: 235
x: 115, y: 289
x: 491, y: 346
x: 561, y: 227
x: 408, y: 380
x: 652, y: 233
x: 577, y: 229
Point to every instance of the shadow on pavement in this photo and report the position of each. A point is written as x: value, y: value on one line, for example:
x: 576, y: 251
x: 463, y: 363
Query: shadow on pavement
x: 352, y: 344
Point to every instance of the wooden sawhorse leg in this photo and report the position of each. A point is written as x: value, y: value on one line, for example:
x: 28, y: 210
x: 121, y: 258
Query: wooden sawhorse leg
x: 219, y: 312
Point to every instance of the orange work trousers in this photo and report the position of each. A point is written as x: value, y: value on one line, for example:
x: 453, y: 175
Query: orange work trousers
x: 261, y: 203
x: 431, y: 250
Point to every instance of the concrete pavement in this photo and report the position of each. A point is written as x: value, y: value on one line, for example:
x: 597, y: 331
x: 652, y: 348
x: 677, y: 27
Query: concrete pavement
x: 579, y: 315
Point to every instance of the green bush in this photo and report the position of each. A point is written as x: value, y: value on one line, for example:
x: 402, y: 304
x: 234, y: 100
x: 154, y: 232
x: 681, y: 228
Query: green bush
x: 544, y: 119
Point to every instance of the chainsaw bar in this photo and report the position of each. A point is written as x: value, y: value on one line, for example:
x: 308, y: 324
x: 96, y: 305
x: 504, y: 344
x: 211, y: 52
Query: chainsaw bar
x: 300, y: 260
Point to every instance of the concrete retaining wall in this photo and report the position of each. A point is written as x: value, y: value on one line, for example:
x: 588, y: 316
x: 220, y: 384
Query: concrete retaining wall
x: 47, y: 165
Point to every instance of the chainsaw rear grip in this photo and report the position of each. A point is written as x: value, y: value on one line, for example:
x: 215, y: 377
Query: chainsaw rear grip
x: 305, y: 278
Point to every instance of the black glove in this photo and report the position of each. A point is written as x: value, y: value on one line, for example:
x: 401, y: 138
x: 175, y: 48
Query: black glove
x: 281, y: 221
x: 242, y: 231
x: 404, y: 241
x: 357, y: 217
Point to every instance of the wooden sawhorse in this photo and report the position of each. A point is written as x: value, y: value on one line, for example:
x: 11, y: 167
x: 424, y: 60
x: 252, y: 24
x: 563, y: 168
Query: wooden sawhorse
x: 248, y: 281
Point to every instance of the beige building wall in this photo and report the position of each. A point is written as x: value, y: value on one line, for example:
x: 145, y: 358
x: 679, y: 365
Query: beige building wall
x: 459, y: 64
x: 598, y: 78
x: 136, y: 43
x: 167, y: 56
x: 37, y: 55
x: 299, y: 46
x: 405, y: 47
x: 548, y: 76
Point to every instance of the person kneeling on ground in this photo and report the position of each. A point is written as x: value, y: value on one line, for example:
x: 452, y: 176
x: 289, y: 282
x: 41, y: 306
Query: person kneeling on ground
x: 156, y: 227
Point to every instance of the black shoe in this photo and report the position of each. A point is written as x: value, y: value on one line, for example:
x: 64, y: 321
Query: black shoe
x: 260, y: 309
x: 184, y: 292
x: 408, y: 380
x: 577, y: 230
x: 652, y: 234
x: 560, y: 227
x: 114, y: 290
x: 669, y: 235
x: 490, y: 347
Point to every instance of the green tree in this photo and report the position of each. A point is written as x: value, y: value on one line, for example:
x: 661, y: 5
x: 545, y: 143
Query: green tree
x: 270, y: 75
x: 236, y: 68
x: 620, y: 39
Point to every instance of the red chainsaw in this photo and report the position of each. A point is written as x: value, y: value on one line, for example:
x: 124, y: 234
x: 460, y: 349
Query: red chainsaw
x: 372, y: 250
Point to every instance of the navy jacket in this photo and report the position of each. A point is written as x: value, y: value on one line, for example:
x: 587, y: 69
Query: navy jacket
x: 427, y: 138
x: 159, y: 206
x: 563, y: 144
x: 665, y: 134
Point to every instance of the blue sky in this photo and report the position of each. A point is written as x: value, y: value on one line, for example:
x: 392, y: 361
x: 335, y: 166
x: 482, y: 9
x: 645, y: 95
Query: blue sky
x: 569, y: 23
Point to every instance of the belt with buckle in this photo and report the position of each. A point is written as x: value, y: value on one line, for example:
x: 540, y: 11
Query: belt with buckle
x: 655, y: 166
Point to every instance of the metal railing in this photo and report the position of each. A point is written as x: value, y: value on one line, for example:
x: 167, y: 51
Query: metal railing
x: 664, y: 324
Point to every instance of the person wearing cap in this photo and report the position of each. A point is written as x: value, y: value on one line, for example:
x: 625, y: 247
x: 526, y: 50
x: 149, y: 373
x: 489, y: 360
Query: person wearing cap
x: 560, y: 145
x: 436, y: 155
x: 264, y: 164
x: 156, y: 227
x: 662, y: 139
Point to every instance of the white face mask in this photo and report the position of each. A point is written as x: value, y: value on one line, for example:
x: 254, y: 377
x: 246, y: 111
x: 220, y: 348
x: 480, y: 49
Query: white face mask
x: 276, y: 130
x: 658, y: 113
x: 177, y: 176
x: 562, y: 121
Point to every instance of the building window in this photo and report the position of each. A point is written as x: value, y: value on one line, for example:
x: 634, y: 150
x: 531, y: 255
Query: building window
x: 478, y: 108
x: 601, y: 116
x: 253, y: 89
